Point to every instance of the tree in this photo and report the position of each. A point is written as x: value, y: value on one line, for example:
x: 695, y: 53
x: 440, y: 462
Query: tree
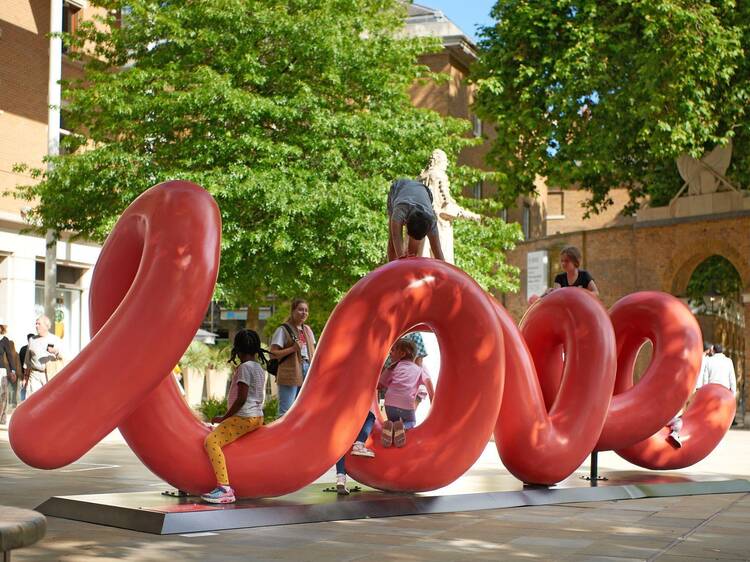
x: 294, y: 114
x: 599, y: 94
x: 716, y: 277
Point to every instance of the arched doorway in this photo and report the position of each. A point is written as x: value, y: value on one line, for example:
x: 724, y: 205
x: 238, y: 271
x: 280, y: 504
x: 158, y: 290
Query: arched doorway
x: 714, y: 293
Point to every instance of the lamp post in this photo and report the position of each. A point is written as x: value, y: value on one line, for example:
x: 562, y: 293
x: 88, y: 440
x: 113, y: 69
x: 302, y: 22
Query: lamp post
x: 712, y: 301
x: 54, y: 99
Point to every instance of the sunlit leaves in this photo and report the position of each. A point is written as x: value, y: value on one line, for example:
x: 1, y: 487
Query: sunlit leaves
x: 605, y: 94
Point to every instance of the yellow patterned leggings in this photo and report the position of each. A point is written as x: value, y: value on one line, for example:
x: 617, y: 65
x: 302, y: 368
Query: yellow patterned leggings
x: 226, y: 432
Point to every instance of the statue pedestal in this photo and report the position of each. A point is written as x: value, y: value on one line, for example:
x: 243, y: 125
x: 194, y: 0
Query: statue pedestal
x: 152, y: 512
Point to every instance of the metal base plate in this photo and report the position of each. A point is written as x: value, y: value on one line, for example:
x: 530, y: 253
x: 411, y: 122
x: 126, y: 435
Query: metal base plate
x: 152, y: 512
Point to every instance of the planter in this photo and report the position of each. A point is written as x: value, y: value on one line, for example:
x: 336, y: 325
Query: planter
x: 216, y: 383
x: 192, y: 380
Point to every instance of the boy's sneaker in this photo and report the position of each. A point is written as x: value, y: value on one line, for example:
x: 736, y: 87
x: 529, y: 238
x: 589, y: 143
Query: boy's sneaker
x: 674, y: 439
x: 359, y: 449
x: 220, y: 494
x: 341, y: 488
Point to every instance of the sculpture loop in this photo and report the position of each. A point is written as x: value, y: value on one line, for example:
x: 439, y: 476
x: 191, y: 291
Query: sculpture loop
x: 149, y: 293
x: 546, y: 389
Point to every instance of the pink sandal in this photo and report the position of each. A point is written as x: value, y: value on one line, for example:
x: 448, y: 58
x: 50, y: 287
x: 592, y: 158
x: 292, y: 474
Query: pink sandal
x: 387, y: 434
x: 399, y: 434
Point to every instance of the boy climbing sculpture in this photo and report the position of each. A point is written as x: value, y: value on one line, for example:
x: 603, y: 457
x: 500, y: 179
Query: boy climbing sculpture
x: 410, y: 205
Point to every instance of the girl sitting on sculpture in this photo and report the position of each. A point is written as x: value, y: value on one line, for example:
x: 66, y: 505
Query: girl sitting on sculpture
x: 401, y: 383
x: 245, y: 413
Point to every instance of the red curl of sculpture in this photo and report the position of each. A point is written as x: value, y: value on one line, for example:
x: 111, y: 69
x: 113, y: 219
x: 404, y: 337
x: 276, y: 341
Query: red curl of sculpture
x: 152, y: 285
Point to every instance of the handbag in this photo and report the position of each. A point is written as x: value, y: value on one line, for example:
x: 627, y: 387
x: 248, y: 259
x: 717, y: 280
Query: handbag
x: 273, y: 364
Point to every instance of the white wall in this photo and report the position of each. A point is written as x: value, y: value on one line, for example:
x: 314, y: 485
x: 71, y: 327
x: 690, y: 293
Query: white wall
x: 18, y: 282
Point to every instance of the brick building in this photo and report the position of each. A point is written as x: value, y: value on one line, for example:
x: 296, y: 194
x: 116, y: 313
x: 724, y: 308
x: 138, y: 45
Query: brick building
x: 455, y: 96
x: 24, y: 71
x: 658, y: 249
x: 655, y: 250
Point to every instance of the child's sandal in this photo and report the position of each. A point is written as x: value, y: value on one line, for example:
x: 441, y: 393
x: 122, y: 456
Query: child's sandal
x: 399, y: 434
x: 387, y: 434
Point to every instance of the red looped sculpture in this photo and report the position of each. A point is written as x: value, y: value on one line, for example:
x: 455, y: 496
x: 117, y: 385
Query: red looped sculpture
x: 546, y: 390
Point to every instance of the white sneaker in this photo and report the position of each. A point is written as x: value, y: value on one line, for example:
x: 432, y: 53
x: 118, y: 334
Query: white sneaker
x: 360, y: 450
x: 674, y: 439
x: 341, y: 488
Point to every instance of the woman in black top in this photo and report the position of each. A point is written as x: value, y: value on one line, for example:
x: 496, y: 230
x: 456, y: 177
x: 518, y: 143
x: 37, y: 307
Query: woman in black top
x: 572, y: 276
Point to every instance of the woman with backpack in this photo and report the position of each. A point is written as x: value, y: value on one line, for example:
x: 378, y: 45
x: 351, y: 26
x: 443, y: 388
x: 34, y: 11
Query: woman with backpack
x: 293, y: 346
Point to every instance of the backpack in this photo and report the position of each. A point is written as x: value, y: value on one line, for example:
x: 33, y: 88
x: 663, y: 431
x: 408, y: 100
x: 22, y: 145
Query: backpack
x: 273, y: 364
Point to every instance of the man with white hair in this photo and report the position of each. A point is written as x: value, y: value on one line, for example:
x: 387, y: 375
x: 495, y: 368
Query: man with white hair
x: 720, y: 370
x: 43, y: 348
x: 716, y: 368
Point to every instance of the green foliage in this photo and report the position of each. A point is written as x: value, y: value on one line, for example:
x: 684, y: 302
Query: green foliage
x: 714, y: 276
x: 604, y: 94
x: 294, y: 114
x: 218, y: 355
x: 196, y: 356
x: 270, y: 410
x: 480, y: 247
x: 211, y: 407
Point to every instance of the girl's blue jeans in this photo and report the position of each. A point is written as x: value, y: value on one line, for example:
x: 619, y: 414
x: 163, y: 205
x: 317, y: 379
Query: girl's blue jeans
x: 364, y: 433
x: 409, y: 417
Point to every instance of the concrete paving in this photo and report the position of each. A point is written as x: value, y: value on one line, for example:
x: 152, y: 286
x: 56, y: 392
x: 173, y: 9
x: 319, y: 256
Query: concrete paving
x: 713, y: 527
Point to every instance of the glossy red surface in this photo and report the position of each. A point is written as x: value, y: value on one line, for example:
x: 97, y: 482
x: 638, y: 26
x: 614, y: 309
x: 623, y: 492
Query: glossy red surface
x: 540, y: 445
x: 150, y: 291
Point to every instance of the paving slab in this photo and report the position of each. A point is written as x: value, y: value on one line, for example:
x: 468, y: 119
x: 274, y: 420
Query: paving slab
x: 627, y: 530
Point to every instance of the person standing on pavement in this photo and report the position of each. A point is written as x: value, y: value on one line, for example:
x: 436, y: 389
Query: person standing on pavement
x: 675, y: 424
x: 22, y: 360
x: 43, y: 348
x: 572, y: 275
x: 293, y: 344
x: 720, y: 370
x: 8, y: 373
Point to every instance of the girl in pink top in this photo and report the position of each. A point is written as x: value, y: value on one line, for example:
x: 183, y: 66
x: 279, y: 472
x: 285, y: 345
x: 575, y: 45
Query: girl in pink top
x: 401, y: 383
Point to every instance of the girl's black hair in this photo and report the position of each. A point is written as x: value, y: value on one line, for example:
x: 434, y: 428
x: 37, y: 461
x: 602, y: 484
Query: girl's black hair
x: 248, y: 341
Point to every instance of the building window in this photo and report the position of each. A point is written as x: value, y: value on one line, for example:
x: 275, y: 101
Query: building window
x: 476, y: 123
x: 66, y: 274
x: 556, y: 205
x: 122, y: 17
x: 71, y: 18
x: 67, y: 321
x: 478, y: 189
x: 526, y: 221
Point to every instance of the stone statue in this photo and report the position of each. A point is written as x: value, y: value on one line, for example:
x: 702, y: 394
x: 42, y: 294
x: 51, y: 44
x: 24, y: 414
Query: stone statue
x: 434, y: 176
x: 703, y: 176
